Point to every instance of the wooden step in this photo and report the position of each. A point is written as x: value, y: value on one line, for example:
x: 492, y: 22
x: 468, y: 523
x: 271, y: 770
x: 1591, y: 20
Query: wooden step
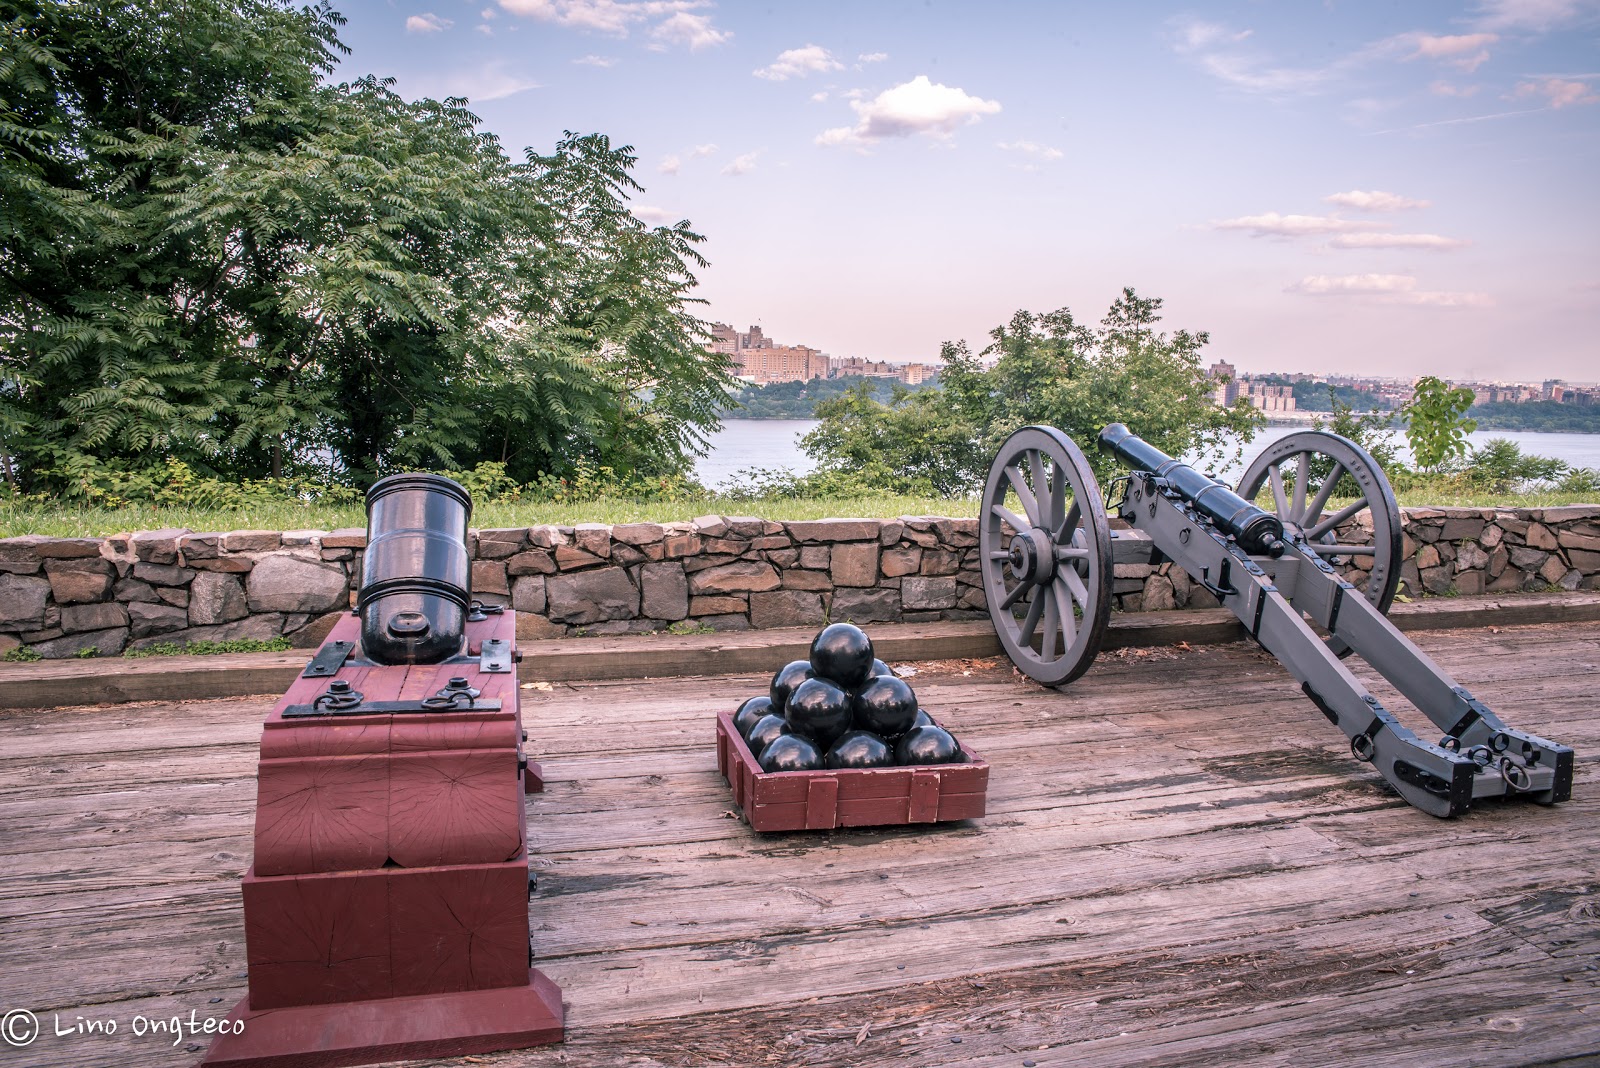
x: 54, y: 683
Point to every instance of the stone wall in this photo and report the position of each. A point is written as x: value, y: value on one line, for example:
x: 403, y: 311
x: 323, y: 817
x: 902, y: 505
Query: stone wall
x: 61, y: 596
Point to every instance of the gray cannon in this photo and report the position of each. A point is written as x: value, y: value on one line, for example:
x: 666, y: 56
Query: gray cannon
x: 1047, y: 555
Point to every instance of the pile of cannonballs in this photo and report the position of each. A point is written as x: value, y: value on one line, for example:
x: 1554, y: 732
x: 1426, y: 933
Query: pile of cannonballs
x: 842, y: 708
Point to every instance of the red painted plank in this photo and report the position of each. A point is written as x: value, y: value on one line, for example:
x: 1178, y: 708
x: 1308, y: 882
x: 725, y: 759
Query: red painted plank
x: 822, y: 802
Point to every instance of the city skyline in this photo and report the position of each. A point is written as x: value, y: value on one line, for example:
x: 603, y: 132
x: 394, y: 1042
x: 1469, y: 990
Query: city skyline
x: 1345, y: 188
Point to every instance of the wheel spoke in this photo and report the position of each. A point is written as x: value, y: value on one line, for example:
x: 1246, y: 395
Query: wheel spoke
x: 1017, y: 524
x: 1058, y: 494
x: 1015, y: 595
x: 1275, y: 476
x: 1302, y: 467
x: 1069, y: 624
x: 1074, y: 583
x: 1069, y: 524
x: 1336, y: 518
x: 1047, y: 647
x: 1314, y: 509
x: 1070, y: 552
x: 1025, y: 495
x: 1030, y: 622
x: 1322, y: 549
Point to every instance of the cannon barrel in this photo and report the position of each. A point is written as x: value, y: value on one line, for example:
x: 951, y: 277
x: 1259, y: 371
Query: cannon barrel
x: 1256, y: 530
x: 416, y: 579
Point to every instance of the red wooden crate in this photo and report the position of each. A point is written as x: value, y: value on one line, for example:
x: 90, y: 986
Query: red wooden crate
x: 848, y: 797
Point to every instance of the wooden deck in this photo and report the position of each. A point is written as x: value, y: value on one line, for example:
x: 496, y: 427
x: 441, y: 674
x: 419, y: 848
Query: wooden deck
x: 1181, y: 866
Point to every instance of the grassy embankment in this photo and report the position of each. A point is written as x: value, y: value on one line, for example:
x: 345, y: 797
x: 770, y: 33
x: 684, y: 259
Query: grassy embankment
x: 64, y: 519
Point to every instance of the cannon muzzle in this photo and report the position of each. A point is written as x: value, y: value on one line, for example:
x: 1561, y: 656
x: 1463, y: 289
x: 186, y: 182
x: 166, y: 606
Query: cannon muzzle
x: 1256, y: 530
x: 416, y: 579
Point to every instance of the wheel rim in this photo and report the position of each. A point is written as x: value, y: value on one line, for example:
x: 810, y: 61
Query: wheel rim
x: 1302, y: 473
x: 1045, y: 553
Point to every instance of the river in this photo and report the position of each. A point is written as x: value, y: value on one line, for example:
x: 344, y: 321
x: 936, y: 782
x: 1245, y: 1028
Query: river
x: 775, y: 443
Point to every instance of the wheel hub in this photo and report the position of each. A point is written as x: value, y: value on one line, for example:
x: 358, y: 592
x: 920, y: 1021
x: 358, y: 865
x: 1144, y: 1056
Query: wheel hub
x: 1031, y: 558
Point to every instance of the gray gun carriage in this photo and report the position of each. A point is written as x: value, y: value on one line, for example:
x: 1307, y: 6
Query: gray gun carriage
x: 1047, y: 555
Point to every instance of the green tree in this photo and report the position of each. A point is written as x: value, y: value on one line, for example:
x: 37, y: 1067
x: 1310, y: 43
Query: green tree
x: 1436, y: 423
x: 1047, y: 369
x: 209, y: 254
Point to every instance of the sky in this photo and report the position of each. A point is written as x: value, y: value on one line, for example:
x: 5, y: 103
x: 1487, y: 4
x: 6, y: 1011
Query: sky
x: 1387, y: 189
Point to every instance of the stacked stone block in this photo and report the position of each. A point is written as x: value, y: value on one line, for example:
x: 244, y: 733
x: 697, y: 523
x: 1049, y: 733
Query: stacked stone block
x: 62, y: 596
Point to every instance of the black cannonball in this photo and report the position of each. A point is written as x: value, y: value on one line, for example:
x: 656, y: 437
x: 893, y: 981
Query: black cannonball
x: 767, y: 729
x: 819, y: 710
x: 885, y: 705
x: 749, y: 713
x: 859, y: 749
x: 927, y: 745
x: 790, y: 752
x: 788, y: 677
x: 923, y: 720
x: 880, y: 668
x: 842, y: 652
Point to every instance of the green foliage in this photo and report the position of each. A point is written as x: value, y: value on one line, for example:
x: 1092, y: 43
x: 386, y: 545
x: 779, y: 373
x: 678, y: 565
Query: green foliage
x: 22, y: 654
x: 1436, y: 425
x: 1049, y: 369
x: 1500, y: 464
x: 1372, y: 430
x: 213, y: 257
x: 914, y: 444
x: 1547, y: 416
x: 798, y: 400
x: 212, y: 648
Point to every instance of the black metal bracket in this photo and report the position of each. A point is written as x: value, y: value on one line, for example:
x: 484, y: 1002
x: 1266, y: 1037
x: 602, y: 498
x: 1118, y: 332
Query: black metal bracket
x: 384, y: 708
x: 328, y: 660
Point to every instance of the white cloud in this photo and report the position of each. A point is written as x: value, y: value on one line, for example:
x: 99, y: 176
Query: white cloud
x: 1385, y: 289
x: 1467, y: 51
x: 488, y: 13
x: 596, y: 61
x: 870, y: 57
x: 799, y: 62
x: 820, y: 96
x: 695, y: 31
x: 699, y: 151
x: 1532, y: 16
x: 1222, y: 53
x: 1271, y: 224
x: 1029, y: 148
x: 742, y: 165
x: 492, y: 81
x: 1431, y: 242
x: 1450, y: 89
x: 1374, y: 200
x: 917, y: 106
x: 672, y: 19
x: 669, y: 165
x: 652, y: 215
x: 427, y: 23
x: 485, y: 29
x: 1556, y: 92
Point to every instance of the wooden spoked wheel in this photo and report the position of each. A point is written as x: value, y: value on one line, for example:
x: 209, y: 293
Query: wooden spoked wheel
x: 1304, y: 472
x: 1045, y: 554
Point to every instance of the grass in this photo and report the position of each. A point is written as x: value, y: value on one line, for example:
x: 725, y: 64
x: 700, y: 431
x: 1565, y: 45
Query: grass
x: 75, y: 521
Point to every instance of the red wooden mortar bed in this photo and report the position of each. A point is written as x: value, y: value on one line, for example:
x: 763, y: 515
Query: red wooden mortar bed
x: 848, y: 797
x: 386, y: 913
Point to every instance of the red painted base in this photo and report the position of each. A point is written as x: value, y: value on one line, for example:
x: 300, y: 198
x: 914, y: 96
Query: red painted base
x: 393, y: 1029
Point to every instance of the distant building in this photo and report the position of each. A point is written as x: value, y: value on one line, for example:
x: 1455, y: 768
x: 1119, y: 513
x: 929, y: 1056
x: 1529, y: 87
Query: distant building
x: 1227, y: 379
x: 758, y: 359
x: 1271, y: 398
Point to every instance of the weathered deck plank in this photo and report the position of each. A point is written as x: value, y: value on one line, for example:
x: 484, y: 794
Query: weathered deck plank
x: 1181, y: 866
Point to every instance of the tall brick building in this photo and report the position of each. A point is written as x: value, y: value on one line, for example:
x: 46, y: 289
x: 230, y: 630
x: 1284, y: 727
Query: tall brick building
x: 761, y: 360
